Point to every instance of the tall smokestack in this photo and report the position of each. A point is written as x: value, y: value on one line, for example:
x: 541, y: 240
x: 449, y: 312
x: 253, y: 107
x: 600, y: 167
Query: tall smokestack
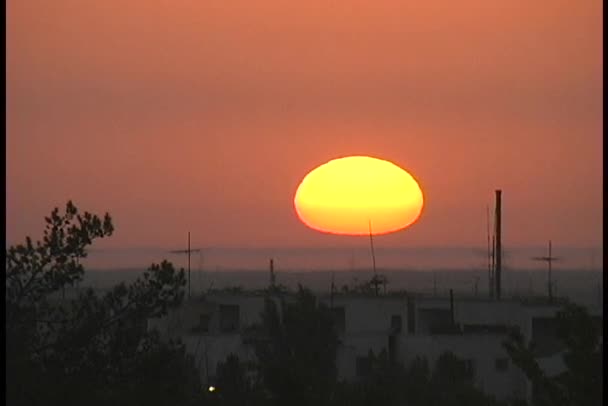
x: 498, y: 252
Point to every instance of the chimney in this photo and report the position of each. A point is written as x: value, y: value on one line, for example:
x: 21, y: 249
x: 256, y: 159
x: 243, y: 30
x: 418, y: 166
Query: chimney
x: 498, y: 244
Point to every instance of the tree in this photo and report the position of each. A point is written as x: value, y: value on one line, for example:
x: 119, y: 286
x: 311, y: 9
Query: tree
x: 391, y: 384
x: 452, y: 383
x: 92, y: 349
x: 235, y: 385
x: 296, y: 348
x: 581, y: 382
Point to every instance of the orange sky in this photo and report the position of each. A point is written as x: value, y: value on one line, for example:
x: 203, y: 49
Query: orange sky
x: 206, y: 115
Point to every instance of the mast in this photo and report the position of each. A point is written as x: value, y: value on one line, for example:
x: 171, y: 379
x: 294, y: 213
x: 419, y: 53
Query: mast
x: 272, y: 275
x: 548, y: 259
x: 498, y: 244
x: 550, y: 283
x: 189, y: 265
x: 331, y: 292
x: 371, y: 242
x: 490, y: 255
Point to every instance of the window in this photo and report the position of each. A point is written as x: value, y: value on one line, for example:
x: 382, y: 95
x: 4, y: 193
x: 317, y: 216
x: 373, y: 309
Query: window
x: 396, y: 323
x: 229, y: 318
x: 203, y: 324
x: 364, y: 366
x: 502, y: 364
x: 411, y: 316
x: 339, y: 319
x: 470, y: 366
x: 392, y: 348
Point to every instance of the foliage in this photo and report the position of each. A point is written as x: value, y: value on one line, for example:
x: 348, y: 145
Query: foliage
x: 296, y: 350
x: 93, y: 348
x: 449, y: 383
x: 581, y: 383
x: 236, y: 385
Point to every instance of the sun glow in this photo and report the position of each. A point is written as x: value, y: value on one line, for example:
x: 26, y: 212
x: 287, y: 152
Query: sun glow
x: 345, y: 195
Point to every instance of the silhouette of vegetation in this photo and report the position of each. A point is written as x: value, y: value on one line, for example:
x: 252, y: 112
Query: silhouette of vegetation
x: 581, y: 382
x: 296, y: 346
x: 91, y: 349
x: 390, y: 383
x: 237, y: 384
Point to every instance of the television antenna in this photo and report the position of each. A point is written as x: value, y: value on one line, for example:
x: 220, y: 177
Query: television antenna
x: 187, y: 251
x: 548, y: 259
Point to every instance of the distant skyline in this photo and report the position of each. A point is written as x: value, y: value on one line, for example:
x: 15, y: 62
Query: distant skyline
x: 204, y: 116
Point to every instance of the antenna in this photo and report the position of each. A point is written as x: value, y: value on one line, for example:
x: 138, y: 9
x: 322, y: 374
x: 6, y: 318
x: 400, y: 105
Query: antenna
x: 498, y: 243
x: 331, y: 292
x: 272, y: 275
x: 187, y: 251
x: 475, y: 286
x: 189, y: 285
x: 371, y: 242
x: 548, y: 259
x: 490, y: 255
x: 493, y: 267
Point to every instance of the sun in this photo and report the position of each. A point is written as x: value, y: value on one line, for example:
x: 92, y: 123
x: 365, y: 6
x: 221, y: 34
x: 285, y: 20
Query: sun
x: 353, y: 194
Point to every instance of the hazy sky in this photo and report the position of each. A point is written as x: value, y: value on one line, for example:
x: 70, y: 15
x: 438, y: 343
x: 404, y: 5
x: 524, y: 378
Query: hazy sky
x: 203, y: 116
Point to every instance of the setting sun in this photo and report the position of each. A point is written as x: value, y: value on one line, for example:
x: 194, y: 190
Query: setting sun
x: 347, y: 195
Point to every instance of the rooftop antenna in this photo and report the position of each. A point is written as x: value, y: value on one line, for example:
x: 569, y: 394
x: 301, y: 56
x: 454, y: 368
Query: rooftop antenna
x: 490, y: 255
x: 371, y: 242
x: 548, y: 259
x: 331, y: 292
x: 187, y: 251
x: 475, y: 288
x: 200, y: 270
x: 272, y: 275
x: 498, y: 243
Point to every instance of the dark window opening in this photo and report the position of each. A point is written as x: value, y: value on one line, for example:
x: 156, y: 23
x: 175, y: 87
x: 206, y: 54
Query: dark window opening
x: 470, y: 366
x: 364, y: 366
x: 339, y: 316
x: 392, y: 348
x: 502, y: 364
x: 229, y: 318
x: 203, y: 324
x: 411, y: 316
x: 396, y: 323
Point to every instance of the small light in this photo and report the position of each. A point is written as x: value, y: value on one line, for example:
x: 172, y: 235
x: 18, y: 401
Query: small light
x: 212, y: 389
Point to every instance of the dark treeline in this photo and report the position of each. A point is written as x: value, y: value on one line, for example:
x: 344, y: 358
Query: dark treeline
x: 95, y: 349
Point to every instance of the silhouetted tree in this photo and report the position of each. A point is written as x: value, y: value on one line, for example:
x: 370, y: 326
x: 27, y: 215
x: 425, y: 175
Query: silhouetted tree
x: 296, y: 349
x: 92, y: 349
x: 581, y: 382
x: 236, y: 385
x: 391, y: 384
x: 452, y: 383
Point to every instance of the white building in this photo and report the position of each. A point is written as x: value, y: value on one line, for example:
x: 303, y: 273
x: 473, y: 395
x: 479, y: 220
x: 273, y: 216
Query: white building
x: 404, y: 326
